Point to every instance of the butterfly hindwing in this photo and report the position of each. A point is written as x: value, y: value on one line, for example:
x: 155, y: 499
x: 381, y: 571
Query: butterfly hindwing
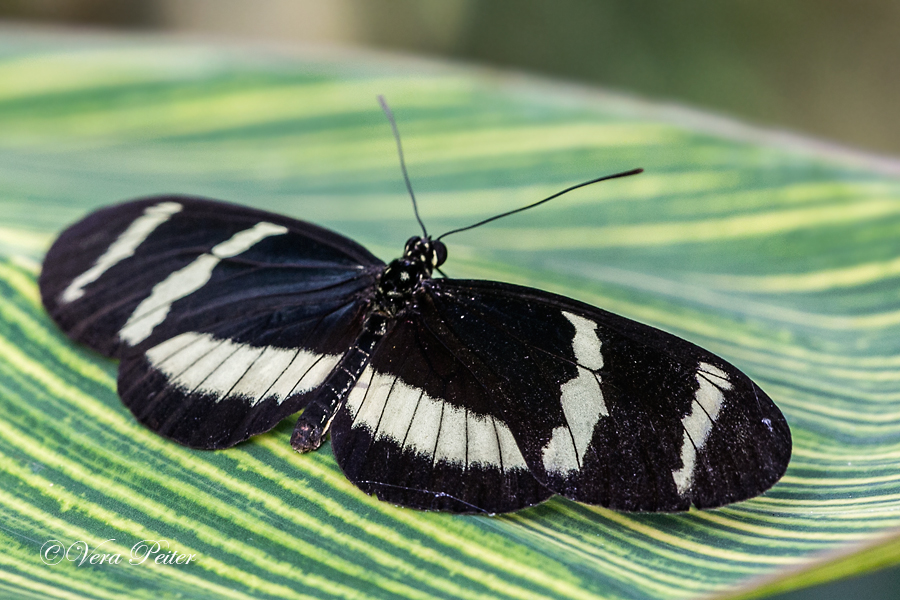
x: 208, y: 390
x: 420, y: 429
x: 225, y: 318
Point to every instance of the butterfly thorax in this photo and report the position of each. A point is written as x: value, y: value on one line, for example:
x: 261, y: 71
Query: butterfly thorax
x: 402, y: 276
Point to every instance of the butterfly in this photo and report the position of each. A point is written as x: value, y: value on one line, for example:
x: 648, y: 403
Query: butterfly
x: 437, y: 393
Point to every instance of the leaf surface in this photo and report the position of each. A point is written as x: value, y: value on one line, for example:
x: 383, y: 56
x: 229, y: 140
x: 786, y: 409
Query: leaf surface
x: 778, y: 254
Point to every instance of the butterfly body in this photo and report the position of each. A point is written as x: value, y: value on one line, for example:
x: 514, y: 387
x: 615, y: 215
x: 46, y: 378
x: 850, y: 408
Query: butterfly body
x: 437, y: 393
x: 394, y: 292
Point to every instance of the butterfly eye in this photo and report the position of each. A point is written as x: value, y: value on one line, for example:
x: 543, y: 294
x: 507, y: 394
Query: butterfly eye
x: 440, y: 253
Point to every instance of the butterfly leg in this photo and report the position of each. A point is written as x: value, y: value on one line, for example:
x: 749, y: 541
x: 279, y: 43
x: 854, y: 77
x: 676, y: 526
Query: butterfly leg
x: 313, y: 424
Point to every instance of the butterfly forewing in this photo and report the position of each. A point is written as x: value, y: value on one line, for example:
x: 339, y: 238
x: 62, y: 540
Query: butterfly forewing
x: 141, y: 272
x: 226, y: 318
x: 608, y: 411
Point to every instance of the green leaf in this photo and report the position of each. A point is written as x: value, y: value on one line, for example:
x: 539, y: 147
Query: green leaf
x: 776, y: 253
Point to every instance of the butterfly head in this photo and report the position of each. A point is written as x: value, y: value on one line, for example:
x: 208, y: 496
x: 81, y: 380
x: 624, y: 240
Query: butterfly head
x: 430, y: 253
x: 399, y: 280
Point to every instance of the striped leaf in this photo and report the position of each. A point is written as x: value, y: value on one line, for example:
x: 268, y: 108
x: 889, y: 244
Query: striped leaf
x: 777, y: 254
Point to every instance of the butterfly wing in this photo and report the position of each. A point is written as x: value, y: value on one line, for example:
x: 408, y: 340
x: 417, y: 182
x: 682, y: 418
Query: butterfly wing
x: 602, y: 410
x: 420, y: 428
x: 225, y: 318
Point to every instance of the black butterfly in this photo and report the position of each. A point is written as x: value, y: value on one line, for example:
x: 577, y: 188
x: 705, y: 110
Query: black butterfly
x: 438, y: 393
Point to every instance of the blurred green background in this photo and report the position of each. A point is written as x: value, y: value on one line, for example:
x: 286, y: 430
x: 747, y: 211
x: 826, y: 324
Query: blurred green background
x: 822, y: 68
x: 826, y: 68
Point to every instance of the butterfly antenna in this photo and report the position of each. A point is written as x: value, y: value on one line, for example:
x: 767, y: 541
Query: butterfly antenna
x: 539, y: 202
x: 390, y: 118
